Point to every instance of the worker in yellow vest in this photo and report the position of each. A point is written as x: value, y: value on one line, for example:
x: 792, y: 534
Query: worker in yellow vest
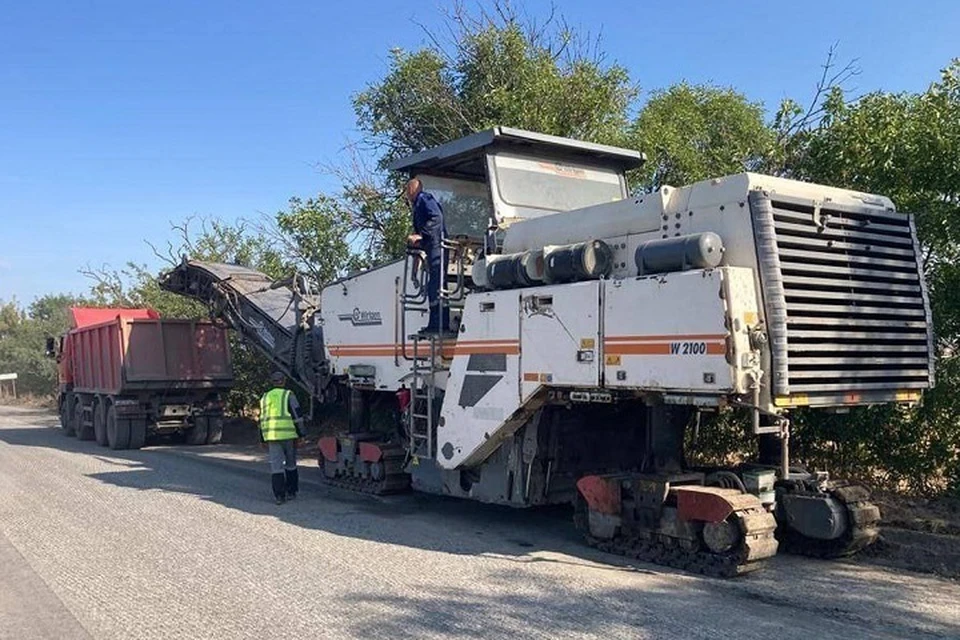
x: 281, y: 428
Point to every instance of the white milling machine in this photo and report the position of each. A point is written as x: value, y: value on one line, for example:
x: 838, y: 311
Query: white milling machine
x: 592, y: 330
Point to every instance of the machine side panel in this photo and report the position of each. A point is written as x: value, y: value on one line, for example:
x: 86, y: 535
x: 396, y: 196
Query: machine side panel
x: 361, y: 324
x: 743, y: 318
x: 483, y: 388
x: 560, y: 337
x: 668, y: 333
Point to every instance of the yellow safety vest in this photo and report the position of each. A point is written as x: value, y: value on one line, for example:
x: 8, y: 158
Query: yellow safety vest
x: 276, y: 423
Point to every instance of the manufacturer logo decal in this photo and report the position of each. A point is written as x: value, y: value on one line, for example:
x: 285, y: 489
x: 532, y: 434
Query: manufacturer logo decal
x: 359, y: 318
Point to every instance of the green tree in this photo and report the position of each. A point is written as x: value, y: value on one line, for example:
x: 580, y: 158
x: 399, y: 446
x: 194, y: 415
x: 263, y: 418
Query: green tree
x: 694, y: 132
x: 496, y: 69
x: 315, y: 235
x: 23, y: 335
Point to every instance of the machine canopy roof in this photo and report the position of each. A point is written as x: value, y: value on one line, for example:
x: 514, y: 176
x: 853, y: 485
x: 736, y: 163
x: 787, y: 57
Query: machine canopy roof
x: 466, y: 157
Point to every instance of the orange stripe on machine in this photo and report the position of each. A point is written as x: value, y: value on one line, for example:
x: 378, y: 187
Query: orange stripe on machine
x: 680, y: 345
x: 670, y: 338
x: 510, y: 349
x: 464, y: 347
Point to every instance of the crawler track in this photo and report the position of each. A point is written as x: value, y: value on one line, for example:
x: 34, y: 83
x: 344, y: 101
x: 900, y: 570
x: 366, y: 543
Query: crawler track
x: 393, y: 480
x: 863, y: 518
x: 757, y: 543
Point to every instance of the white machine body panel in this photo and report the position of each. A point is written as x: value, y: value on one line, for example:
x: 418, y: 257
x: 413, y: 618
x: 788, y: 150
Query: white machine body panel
x: 683, y: 333
x: 674, y: 332
x: 361, y: 324
x: 560, y: 337
x: 483, y: 390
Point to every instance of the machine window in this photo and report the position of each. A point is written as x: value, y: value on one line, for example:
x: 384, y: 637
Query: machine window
x: 539, y: 183
x: 466, y: 205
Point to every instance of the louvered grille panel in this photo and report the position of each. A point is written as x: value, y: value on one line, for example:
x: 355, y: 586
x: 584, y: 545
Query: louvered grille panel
x: 856, y: 311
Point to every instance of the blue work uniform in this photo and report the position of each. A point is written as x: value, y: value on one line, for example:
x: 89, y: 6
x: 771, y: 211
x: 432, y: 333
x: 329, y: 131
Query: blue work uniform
x: 428, y: 223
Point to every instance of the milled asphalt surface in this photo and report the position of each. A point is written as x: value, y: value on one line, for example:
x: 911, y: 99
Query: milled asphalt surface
x: 182, y: 542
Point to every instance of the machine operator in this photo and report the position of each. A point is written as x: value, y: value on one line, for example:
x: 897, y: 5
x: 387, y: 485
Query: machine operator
x: 429, y: 234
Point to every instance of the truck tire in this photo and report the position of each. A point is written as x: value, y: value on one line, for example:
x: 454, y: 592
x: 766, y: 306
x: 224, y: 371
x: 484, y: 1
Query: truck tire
x: 118, y: 431
x: 100, y: 424
x: 66, y: 417
x: 83, y: 428
x: 214, y: 429
x: 138, y: 433
x: 197, y: 434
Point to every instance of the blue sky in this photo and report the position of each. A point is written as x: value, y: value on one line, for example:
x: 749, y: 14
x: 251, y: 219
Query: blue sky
x: 119, y: 117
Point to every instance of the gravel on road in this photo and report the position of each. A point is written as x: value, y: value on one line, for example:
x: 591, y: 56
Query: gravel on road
x: 185, y: 542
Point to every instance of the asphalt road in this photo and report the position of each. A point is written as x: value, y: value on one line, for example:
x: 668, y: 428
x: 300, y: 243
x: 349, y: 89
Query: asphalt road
x: 181, y: 542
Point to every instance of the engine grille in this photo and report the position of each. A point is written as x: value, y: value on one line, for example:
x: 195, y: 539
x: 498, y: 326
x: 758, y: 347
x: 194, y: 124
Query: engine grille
x: 846, y: 305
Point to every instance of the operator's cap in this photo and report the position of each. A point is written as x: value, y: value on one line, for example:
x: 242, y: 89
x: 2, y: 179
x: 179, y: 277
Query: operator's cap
x: 277, y: 377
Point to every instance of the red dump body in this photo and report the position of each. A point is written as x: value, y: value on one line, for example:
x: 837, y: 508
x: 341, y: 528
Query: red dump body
x: 118, y: 351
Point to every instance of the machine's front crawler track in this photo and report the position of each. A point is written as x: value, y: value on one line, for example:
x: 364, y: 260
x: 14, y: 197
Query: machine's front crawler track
x: 862, y: 526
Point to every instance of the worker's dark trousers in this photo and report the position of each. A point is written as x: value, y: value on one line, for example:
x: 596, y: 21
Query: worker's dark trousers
x: 293, y: 481
x: 283, y: 467
x: 438, y: 260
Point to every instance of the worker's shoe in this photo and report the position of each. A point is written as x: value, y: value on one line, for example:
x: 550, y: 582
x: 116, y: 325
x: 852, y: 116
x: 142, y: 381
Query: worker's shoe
x: 293, y: 483
x: 433, y: 330
x: 279, y: 487
x: 429, y: 331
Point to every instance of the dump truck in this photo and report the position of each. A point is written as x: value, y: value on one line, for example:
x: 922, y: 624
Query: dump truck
x: 126, y: 375
x: 594, y: 330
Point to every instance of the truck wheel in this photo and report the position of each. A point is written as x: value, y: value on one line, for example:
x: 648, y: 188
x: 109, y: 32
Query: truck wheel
x: 100, y: 424
x: 138, y: 433
x: 197, y: 434
x: 214, y: 429
x: 118, y: 431
x: 83, y: 428
x: 66, y: 418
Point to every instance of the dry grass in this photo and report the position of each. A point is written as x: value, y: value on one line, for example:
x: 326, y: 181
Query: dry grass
x: 31, y: 401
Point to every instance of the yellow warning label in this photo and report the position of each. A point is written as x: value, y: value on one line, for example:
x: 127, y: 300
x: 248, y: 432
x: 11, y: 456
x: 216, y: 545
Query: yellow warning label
x: 587, y: 343
x: 798, y: 400
x: 750, y: 317
x: 905, y: 395
x: 612, y: 360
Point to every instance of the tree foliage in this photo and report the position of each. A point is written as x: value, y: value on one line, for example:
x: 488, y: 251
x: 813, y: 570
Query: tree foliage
x: 495, y: 68
x: 695, y: 132
x: 23, y: 334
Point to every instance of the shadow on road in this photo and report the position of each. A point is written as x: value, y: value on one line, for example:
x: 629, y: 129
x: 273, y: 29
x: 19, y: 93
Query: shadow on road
x: 837, y: 593
x: 244, y: 484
